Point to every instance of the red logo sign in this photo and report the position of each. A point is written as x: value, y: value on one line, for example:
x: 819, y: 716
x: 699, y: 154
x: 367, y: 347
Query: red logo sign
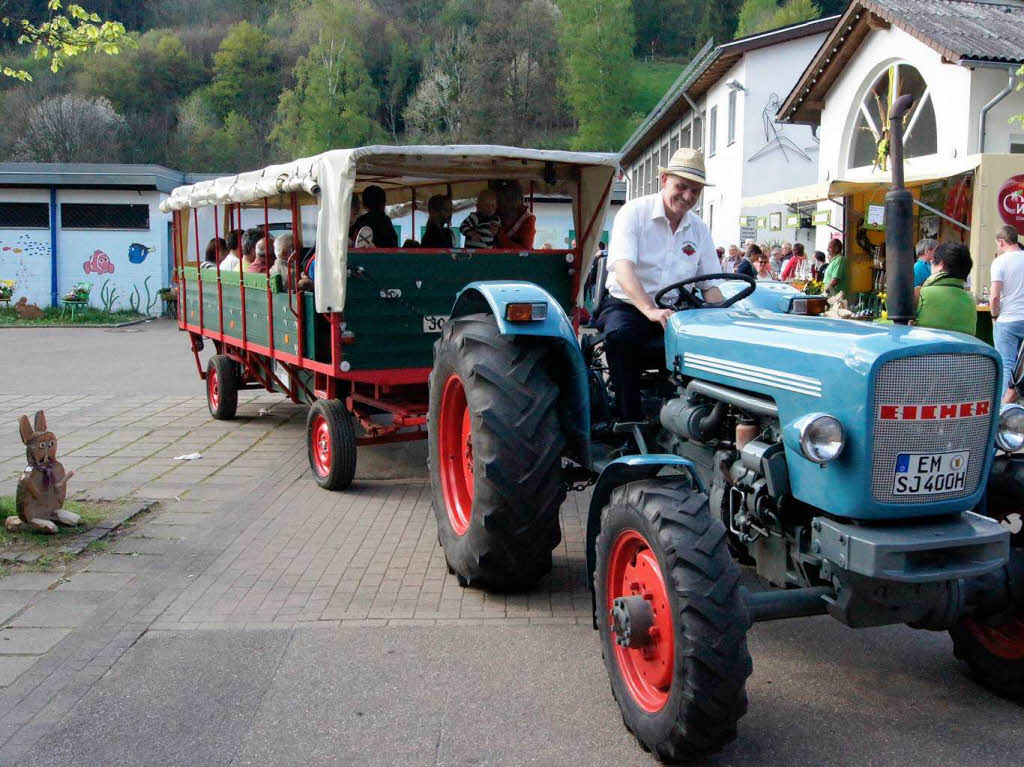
x: 941, y: 412
x: 689, y: 248
x: 1011, y: 202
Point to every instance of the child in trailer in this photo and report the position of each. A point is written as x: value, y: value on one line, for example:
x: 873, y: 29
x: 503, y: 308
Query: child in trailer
x: 438, y: 232
x: 481, y: 226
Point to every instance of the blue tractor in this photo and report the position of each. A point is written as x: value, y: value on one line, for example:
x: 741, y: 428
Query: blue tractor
x: 861, y: 470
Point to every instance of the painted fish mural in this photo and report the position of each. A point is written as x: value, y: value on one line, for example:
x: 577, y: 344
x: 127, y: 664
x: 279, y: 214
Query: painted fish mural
x: 98, y: 263
x: 137, y: 252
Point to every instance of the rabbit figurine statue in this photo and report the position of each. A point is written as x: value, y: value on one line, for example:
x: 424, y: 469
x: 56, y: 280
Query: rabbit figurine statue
x: 43, y: 485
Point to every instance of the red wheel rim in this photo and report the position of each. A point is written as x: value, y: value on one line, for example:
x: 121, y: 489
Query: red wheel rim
x: 213, y: 388
x: 455, y: 448
x: 1004, y: 638
x: 633, y: 570
x: 321, y: 437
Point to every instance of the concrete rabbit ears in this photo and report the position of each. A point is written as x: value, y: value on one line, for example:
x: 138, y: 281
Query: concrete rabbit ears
x: 27, y: 432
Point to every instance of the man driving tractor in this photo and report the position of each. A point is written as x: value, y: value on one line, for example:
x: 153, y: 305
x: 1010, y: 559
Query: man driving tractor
x: 656, y: 241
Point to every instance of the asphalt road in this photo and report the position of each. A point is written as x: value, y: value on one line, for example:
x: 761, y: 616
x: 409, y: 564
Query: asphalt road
x: 820, y: 694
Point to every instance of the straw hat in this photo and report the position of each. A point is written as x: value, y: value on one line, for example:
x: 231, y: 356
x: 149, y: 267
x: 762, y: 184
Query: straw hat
x: 686, y: 163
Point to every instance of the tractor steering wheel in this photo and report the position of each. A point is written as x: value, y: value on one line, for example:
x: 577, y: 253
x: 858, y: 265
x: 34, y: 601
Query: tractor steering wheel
x: 687, y: 300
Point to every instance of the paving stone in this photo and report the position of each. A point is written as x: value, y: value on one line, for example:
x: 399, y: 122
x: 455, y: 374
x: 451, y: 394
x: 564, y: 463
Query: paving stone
x: 95, y: 581
x: 29, y: 557
x: 27, y: 581
x: 7, y: 610
x: 56, y: 614
x: 13, y: 667
x: 29, y: 641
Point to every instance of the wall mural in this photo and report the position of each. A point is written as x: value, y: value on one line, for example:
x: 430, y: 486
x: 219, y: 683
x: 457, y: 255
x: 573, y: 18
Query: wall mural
x: 775, y: 137
x: 25, y: 262
x: 137, y: 252
x: 98, y: 263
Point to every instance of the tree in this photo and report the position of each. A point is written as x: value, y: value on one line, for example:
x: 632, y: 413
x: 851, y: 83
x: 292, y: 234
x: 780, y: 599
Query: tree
x: 597, y: 41
x: 795, y: 11
x: 331, y: 105
x: 435, y: 112
x: 397, y: 85
x: 245, y: 78
x: 69, y: 128
x: 756, y: 16
x: 66, y: 32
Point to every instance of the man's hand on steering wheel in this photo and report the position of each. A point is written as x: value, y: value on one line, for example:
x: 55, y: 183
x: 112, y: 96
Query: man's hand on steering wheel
x: 687, y: 300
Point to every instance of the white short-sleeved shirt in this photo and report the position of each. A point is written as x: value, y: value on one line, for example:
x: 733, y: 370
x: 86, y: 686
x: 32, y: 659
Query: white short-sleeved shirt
x: 1008, y: 268
x: 229, y: 263
x: 642, y: 234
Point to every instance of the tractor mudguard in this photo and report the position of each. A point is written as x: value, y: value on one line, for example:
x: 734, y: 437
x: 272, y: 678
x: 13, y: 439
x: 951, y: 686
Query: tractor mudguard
x: 629, y: 468
x: 570, y: 373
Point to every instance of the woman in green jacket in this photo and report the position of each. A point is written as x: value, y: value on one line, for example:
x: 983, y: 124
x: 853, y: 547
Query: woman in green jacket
x: 944, y: 303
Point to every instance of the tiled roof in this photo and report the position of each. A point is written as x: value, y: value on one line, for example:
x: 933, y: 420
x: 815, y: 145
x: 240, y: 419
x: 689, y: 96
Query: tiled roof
x: 960, y: 29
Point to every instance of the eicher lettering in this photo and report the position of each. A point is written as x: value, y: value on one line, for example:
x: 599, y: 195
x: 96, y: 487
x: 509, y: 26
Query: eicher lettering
x: 938, y: 412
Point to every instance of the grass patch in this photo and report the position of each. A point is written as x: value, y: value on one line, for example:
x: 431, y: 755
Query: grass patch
x: 651, y: 80
x: 91, y: 514
x: 89, y: 315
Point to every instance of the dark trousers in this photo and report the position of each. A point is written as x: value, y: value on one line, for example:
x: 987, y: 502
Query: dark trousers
x: 631, y: 343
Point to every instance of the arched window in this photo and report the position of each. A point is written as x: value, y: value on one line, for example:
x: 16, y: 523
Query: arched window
x: 919, y: 133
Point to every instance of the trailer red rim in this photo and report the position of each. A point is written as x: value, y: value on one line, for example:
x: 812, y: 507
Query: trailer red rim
x: 1004, y: 639
x: 455, y: 448
x: 633, y: 571
x: 213, y: 387
x: 321, y: 445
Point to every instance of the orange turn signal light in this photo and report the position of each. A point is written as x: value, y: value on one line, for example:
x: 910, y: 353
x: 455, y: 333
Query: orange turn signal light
x: 809, y: 306
x: 526, y: 312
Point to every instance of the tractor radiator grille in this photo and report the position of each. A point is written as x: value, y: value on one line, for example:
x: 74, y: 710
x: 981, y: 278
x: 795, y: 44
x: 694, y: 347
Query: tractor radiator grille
x: 936, y: 379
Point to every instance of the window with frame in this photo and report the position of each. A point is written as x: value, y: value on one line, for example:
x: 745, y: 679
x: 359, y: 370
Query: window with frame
x: 698, y: 132
x: 1017, y: 143
x: 79, y: 215
x: 712, y: 130
x: 24, y: 215
x: 920, y: 136
x: 648, y: 168
x: 634, y: 179
x: 673, y: 142
x: 732, y: 116
x: 664, y: 155
x: 685, y: 135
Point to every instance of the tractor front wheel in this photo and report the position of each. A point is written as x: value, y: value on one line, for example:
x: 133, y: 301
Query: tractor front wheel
x: 494, y: 452
x: 672, y: 621
x: 331, y: 444
x: 222, y: 387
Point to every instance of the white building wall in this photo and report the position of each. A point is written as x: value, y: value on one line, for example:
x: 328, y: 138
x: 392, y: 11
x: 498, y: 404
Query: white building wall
x: 25, y: 253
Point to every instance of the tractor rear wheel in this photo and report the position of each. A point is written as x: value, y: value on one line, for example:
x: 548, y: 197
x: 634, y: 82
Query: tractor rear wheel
x: 331, y: 444
x: 993, y: 646
x: 494, y: 453
x: 672, y: 620
x: 222, y: 387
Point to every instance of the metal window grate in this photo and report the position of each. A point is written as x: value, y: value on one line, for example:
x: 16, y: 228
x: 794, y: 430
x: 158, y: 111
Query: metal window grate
x: 76, y: 215
x: 24, y: 215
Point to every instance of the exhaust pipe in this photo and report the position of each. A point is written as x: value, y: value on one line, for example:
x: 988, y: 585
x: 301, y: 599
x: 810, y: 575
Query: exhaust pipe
x: 899, y: 221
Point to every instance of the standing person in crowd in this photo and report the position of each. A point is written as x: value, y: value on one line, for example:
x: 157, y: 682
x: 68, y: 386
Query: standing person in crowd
x: 231, y: 261
x: 480, y: 228
x: 382, y: 232
x: 745, y: 264
x: 774, y: 260
x: 747, y: 244
x: 836, y: 277
x: 438, y: 231
x: 720, y: 251
x: 764, y: 269
x: 518, y: 224
x: 657, y: 240
x: 796, y: 267
x: 943, y: 303
x: 732, y: 261
x: 784, y: 255
x: 1007, y: 302
x: 923, y: 266
x: 818, y: 267
x: 214, y: 248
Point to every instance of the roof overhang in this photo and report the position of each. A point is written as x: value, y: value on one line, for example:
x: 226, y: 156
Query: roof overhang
x: 85, y: 175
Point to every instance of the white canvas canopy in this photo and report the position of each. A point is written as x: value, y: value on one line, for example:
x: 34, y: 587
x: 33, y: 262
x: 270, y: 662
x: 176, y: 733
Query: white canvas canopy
x: 405, y: 173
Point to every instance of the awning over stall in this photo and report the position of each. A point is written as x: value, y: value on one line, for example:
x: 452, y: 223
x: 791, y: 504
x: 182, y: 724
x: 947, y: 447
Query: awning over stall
x: 404, y: 172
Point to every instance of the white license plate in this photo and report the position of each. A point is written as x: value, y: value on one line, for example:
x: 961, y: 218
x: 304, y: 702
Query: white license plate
x: 434, y: 323
x: 928, y: 473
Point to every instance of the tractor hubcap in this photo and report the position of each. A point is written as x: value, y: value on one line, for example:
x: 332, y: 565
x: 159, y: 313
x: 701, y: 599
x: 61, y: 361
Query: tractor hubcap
x: 639, y: 617
x: 321, y: 446
x: 455, y: 451
x: 213, y: 386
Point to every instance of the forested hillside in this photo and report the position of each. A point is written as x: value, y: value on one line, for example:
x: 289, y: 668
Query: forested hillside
x: 226, y: 85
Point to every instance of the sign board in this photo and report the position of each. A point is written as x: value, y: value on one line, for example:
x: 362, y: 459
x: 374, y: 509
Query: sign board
x: 822, y: 218
x: 748, y: 233
x: 793, y: 221
x: 762, y: 222
x: 748, y: 221
x: 775, y: 222
x: 875, y: 219
x: 1011, y: 202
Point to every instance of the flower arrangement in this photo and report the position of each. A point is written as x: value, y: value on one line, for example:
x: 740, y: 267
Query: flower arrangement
x: 7, y: 290
x: 813, y: 288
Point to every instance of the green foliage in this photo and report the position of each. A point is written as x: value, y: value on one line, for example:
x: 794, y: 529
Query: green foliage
x: 245, y: 77
x: 597, y: 40
x: 762, y: 15
x: 331, y: 104
x: 67, y: 32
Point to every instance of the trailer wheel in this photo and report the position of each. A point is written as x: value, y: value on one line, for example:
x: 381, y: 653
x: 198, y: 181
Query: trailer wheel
x: 494, y: 452
x: 222, y: 387
x: 993, y: 646
x: 331, y: 444
x: 672, y: 621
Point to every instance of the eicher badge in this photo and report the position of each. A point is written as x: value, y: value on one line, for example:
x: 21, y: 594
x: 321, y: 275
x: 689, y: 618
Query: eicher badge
x: 689, y: 248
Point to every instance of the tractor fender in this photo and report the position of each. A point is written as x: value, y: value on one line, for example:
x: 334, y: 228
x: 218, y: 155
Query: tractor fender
x: 629, y: 468
x: 569, y: 372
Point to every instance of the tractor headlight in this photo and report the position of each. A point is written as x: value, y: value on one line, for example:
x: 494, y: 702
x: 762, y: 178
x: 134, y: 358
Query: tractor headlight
x: 1010, y: 434
x: 821, y: 437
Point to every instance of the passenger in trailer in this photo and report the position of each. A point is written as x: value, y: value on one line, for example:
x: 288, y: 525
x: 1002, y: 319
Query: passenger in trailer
x: 230, y: 262
x: 382, y: 231
x: 249, y: 240
x: 438, y: 232
x: 214, y: 248
x: 480, y: 228
x: 518, y: 225
x: 284, y: 258
x: 260, y: 264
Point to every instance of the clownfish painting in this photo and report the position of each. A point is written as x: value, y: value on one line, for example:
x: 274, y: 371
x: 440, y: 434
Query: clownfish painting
x: 98, y: 263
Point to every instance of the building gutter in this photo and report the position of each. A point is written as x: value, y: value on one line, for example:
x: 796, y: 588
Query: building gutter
x: 1011, y: 71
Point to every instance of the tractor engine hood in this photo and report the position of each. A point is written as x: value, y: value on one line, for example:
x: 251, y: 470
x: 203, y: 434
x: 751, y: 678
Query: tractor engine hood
x: 820, y: 365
